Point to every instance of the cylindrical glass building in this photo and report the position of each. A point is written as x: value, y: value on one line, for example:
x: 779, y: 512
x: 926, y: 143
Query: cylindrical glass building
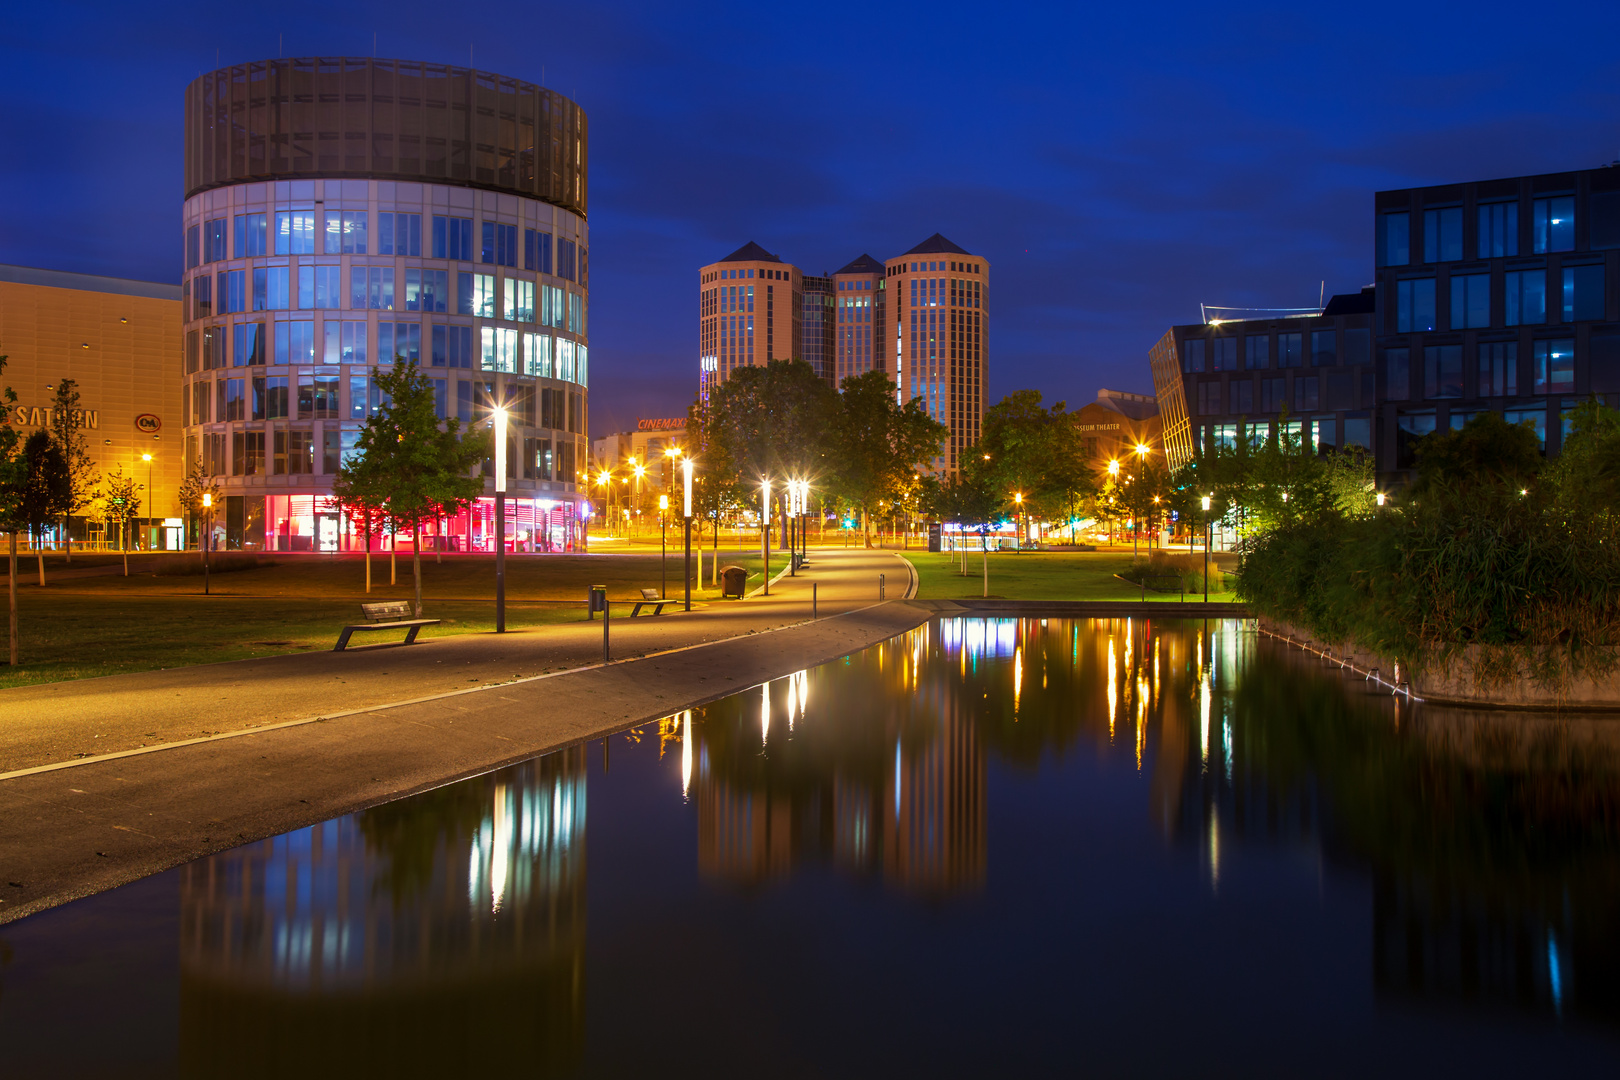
x: 344, y: 213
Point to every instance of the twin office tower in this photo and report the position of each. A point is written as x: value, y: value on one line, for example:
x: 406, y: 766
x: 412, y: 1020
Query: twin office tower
x: 921, y: 318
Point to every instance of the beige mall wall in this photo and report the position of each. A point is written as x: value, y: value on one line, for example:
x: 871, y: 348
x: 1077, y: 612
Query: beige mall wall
x: 125, y: 353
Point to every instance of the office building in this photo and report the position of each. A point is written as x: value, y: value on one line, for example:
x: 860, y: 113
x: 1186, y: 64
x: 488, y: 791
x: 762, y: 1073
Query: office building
x: 344, y: 213
x: 920, y: 317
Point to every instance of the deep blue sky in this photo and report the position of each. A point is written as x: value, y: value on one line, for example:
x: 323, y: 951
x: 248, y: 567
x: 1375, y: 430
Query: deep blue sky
x: 1116, y: 164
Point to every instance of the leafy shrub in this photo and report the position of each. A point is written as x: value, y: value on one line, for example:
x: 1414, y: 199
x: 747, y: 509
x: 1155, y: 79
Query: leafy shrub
x: 187, y: 564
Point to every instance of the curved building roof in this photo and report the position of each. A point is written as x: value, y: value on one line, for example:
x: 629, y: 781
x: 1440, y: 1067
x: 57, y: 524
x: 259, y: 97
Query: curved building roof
x: 360, y: 117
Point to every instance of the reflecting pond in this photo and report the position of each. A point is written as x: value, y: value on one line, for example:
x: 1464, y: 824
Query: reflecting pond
x: 989, y: 846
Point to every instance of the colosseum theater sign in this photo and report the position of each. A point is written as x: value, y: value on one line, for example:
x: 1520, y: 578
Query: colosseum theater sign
x: 36, y: 416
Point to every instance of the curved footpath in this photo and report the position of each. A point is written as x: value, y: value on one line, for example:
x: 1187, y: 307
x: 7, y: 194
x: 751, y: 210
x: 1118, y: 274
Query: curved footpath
x: 240, y: 751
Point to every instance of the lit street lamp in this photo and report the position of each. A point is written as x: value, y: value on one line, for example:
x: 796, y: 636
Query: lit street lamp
x: 501, y: 418
x: 1018, y: 498
x: 208, y: 534
x: 765, y: 529
x: 1205, y: 502
x: 151, y: 499
x: 686, y: 467
x: 663, y: 549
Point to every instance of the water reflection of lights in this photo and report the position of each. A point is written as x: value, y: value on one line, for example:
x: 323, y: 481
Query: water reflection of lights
x: 979, y: 637
x: 764, y: 712
x: 1018, y: 678
x: 1113, y: 689
x: 686, y: 752
x: 527, y: 829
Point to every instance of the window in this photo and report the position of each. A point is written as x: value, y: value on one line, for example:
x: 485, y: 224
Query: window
x: 1525, y: 297
x: 250, y: 233
x: 537, y: 355
x: 213, y: 241
x: 1273, y: 395
x: 294, y: 452
x: 1583, y: 292
x: 1470, y: 301
x: 565, y: 360
x: 345, y: 342
x: 1414, y: 305
x: 320, y: 287
x: 1535, y: 418
x: 1442, y: 234
x: 191, y: 352
x: 345, y: 232
x: 1223, y: 353
x: 398, y: 342
x: 1192, y: 360
x: 371, y: 287
x: 517, y: 300
x: 1442, y: 371
x: 235, y: 402
x: 318, y: 395
x: 477, y: 295
x: 270, y: 288
x: 499, y: 352
x: 1554, y: 363
x: 1498, y: 369
x: 202, y: 296
x: 427, y: 290
x: 233, y: 292
x: 295, y: 342
x: 565, y: 259
x: 1209, y: 398
x: 1224, y: 435
x: 551, y: 306
x: 331, y: 449
x: 440, y: 402
x: 399, y: 234
x: 295, y: 232
x: 452, y: 346
x: 247, y: 348
x: 1242, y: 396
x: 247, y: 453
x: 452, y: 238
x: 581, y: 367
x: 213, y: 347
x: 1256, y: 353
x: 1395, y: 239
x: 1324, y: 348
x: 1357, y: 346
x: 193, y: 246
x: 1307, y: 392
x: 576, y: 313
x: 537, y: 251
x: 500, y: 244
x: 1552, y: 223
x: 1290, y: 350
x: 201, y: 402
x: 270, y: 398
x: 357, y: 397
x: 1498, y: 230
x: 1397, y: 375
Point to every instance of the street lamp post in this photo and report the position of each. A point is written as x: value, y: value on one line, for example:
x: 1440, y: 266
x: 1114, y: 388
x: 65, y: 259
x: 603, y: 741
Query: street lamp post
x: 500, y: 520
x: 1018, y: 498
x: 686, y: 467
x: 765, y: 529
x: 208, y: 534
x: 1205, y: 503
x: 663, y: 548
x: 150, y: 499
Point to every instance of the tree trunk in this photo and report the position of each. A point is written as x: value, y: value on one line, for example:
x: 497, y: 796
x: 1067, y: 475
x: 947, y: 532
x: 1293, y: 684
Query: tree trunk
x: 438, y: 541
x: 416, y: 564
x: 67, y: 536
x: 13, y: 582
x: 393, y: 555
x: 123, y: 544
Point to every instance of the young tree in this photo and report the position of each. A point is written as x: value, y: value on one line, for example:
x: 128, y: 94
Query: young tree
x: 407, y: 464
x: 47, y: 490
x: 193, y: 487
x: 120, y: 504
x: 67, y: 427
x: 13, y: 475
x: 881, y: 445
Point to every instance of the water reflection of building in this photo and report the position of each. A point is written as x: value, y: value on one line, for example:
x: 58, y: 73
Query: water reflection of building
x: 934, y: 817
x: 354, y: 946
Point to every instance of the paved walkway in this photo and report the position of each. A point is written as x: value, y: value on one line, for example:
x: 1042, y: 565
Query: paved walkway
x: 69, y: 721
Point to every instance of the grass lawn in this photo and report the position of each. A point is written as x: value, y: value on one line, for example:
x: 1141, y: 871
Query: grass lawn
x: 1036, y: 575
x: 82, y: 627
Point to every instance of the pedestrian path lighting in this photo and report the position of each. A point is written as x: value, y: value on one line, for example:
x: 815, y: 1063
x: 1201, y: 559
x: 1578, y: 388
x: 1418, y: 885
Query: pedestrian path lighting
x: 663, y: 548
x: 1018, y: 499
x: 1380, y: 498
x: 150, y: 501
x: 1205, y: 503
x: 765, y: 529
x: 208, y: 534
x: 686, y: 513
x: 501, y: 418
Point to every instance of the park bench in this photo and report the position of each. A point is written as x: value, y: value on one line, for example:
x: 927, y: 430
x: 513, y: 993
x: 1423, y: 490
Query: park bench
x: 649, y: 597
x: 390, y: 615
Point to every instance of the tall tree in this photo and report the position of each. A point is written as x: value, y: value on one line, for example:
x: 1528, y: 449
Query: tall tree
x: 193, y: 487
x: 881, y: 445
x: 1028, y: 448
x: 119, y: 505
x: 419, y: 467
x: 13, y: 475
x: 67, y: 427
x: 47, y: 490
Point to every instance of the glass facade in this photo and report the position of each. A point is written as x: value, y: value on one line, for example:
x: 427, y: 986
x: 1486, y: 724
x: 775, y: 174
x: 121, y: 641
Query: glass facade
x: 327, y: 277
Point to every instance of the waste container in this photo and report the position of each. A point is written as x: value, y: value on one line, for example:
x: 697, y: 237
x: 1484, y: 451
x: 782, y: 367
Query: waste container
x: 734, y: 581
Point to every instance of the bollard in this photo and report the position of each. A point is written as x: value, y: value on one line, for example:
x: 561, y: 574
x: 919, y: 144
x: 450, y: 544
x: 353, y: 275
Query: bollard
x: 880, y: 585
x: 590, y: 604
x: 814, y: 585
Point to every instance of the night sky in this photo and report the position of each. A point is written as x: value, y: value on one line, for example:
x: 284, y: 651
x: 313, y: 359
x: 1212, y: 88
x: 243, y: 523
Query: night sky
x: 1116, y: 165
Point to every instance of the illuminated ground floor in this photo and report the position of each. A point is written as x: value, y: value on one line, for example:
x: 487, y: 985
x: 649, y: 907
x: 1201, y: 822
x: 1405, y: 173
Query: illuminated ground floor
x: 311, y: 523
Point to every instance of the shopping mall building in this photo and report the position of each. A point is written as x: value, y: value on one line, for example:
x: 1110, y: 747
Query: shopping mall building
x: 346, y: 213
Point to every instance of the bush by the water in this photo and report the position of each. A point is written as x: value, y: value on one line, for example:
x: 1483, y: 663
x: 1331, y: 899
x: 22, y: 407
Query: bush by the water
x: 188, y: 563
x: 1171, y: 572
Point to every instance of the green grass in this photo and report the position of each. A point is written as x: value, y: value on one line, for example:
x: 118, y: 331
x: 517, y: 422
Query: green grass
x: 1036, y: 575
x: 79, y: 628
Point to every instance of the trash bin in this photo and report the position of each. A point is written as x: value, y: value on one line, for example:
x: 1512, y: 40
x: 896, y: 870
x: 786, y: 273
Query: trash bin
x: 734, y: 581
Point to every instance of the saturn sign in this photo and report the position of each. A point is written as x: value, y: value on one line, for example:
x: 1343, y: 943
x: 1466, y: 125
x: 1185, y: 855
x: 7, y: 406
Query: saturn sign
x: 148, y: 423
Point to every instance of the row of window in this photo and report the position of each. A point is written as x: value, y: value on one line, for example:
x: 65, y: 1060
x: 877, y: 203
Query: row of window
x: 1318, y: 432
x: 934, y: 292
x: 318, y: 395
x: 486, y: 348
x: 746, y: 273
x: 1579, y: 295
x: 933, y: 266
x: 1496, y: 369
x: 855, y: 286
x: 1496, y: 235
x: 346, y: 232
x: 1257, y: 350
x: 727, y: 298
x: 297, y: 452
x: 1309, y: 392
x: 381, y: 288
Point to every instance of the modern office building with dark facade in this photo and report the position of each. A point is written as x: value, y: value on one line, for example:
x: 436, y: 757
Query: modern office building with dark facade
x: 342, y: 213
x: 1492, y: 295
